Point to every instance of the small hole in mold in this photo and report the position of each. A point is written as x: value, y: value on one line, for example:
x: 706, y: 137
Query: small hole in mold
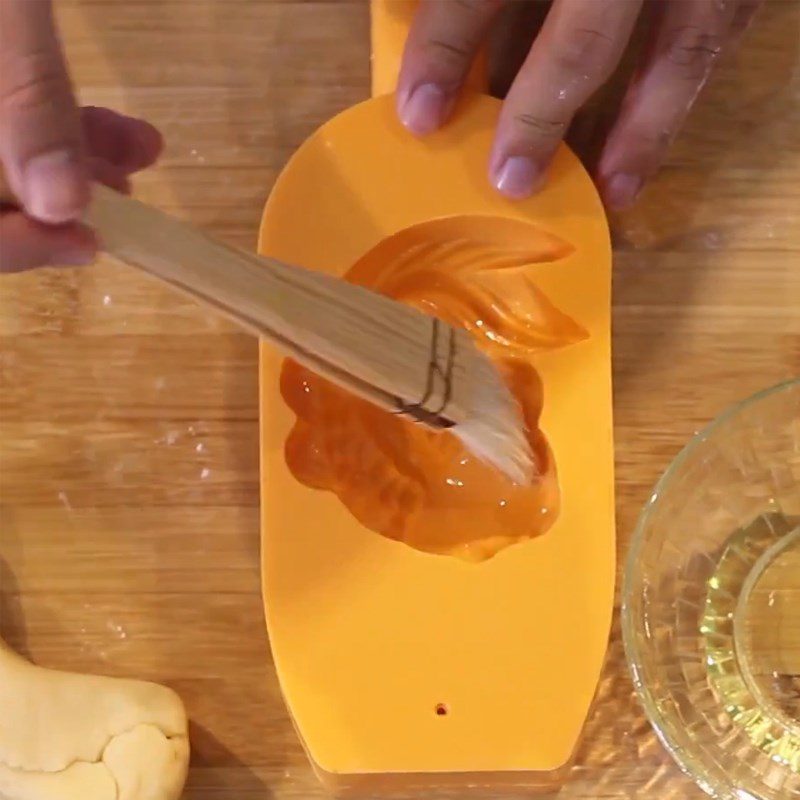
x: 441, y: 710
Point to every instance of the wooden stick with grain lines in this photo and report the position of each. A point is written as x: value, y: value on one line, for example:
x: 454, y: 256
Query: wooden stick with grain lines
x: 388, y: 353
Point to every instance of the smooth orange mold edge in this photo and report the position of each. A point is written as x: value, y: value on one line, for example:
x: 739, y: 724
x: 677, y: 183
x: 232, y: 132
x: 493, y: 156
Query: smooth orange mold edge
x: 404, y: 670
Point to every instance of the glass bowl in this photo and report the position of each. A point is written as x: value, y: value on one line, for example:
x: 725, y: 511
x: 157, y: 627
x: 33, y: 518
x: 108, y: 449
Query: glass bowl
x: 711, y: 602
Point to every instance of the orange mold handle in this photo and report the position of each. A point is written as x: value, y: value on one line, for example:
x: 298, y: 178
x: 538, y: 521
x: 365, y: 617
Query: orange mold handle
x: 406, y: 670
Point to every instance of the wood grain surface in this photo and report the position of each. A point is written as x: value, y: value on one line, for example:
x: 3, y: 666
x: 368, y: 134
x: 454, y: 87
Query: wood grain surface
x: 129, y: 539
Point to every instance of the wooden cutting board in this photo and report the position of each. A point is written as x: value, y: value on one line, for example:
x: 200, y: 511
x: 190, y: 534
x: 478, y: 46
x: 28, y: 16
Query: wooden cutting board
x: 128, y: 416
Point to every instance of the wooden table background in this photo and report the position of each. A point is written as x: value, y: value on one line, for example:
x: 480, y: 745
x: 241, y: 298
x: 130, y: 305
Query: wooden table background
x: 129, y: 540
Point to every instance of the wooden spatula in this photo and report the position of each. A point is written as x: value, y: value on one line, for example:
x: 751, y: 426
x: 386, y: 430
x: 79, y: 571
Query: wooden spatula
x: 388, y: 353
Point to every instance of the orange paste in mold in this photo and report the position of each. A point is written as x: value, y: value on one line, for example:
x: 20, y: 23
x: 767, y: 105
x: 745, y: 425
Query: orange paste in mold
x: 418, y: 486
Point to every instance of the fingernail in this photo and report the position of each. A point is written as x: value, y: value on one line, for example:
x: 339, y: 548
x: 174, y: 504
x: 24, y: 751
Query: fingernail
x: 622, y: 189
x: 147, y: 144
x: 518, y: 177
x: 147, y: 133
x: 424, y: 109
x: 54, y: 190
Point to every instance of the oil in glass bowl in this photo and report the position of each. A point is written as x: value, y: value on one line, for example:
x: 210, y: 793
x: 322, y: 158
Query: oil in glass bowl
x: 711, y: 603
x: 751, y: 628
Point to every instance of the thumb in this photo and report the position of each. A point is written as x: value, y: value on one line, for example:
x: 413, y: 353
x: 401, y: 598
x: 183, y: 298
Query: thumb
x: 40, y: 130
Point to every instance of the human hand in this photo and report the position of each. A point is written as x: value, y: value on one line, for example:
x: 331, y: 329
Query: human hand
x: 574, y: 53
x: 50, y: 149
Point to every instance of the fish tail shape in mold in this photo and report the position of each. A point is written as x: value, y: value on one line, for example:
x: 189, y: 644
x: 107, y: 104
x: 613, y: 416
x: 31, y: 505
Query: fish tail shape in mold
x: 422, y: 487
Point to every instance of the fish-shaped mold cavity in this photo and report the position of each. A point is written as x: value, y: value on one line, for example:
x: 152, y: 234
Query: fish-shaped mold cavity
x: 423, y: 487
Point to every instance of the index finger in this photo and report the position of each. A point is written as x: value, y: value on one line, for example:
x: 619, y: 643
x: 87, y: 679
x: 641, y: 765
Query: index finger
x: 40, y: 129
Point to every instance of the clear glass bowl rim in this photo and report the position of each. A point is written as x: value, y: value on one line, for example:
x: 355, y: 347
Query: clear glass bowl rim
x: 692, y: 766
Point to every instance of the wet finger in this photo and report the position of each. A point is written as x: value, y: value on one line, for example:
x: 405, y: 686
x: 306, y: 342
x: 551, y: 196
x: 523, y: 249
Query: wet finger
x: 687, y: 42
x: 575, y: 53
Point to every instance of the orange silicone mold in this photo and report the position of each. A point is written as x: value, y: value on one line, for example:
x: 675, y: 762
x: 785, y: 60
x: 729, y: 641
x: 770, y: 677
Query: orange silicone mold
x: 463, y: 645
